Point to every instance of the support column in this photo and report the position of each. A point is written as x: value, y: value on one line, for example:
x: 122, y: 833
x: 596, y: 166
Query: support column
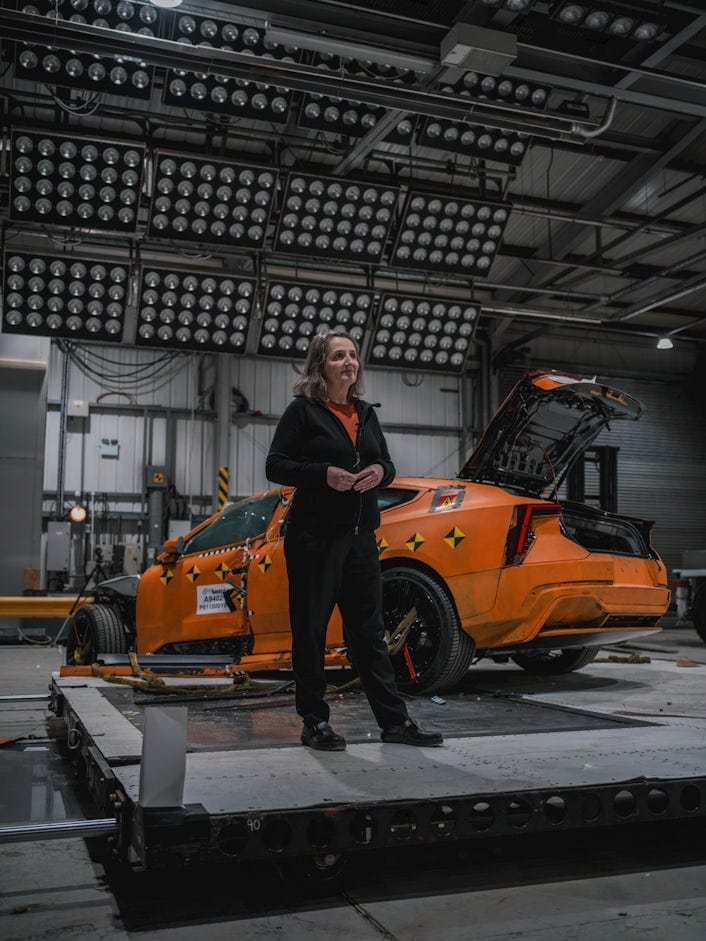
x: 223, y: 406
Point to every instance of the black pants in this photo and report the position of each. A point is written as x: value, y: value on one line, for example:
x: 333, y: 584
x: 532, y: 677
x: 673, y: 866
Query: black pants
x: 338, y: 568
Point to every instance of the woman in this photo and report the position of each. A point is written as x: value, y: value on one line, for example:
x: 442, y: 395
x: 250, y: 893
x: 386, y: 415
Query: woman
x: 329, y: 446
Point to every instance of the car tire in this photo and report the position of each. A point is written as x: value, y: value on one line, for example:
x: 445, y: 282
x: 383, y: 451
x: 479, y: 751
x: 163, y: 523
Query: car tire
x: 437, y: 652
x: 554, y: 662
x: 95, y: 629
x: 699, y: 611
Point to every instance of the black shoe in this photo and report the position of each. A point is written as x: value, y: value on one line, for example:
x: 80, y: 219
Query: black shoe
x: 409, y: 733
x: 322, y: 737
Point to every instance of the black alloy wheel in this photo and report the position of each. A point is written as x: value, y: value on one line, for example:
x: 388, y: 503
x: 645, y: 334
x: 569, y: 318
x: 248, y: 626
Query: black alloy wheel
x: 436, y: 652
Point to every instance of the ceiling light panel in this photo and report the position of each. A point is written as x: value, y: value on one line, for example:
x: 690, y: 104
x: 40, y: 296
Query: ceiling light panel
x: 335, y: 218
x: 610, y: 19
x: 211, y: 201
x: 73, y: 181
x: 440, y: 233
x: 405, y: 129
x: 220, y: 93
x: 117, y: 76
x: 64, y: 296
x: 340, y: 115
x: 527, y: 95
x: 294, y: 312
x: 512, y: 6
x: 418, y: 333
x: 474, y: 140
x: 194, y: 310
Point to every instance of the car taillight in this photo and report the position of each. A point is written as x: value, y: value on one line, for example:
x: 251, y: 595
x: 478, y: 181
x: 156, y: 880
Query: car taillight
x: 520, y: 536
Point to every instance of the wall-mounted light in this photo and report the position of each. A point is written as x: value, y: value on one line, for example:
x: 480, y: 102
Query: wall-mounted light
x: 64, y: 296
x: 124, y: 75
x: 335, y: 218
x: 77, y: 514
x: 294, y: 312
x: 219, y: 93
x: 665, y: 343
x: 419, y: 333
x: 211, y: 200
x: 440, y: 233
x: 73, y: 181
x: 194, y: 310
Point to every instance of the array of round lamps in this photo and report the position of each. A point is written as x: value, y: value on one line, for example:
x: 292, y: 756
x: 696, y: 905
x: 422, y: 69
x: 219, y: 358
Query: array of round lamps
x: 211, y: 201
x: 422, y: 334
x: 221, y: 93
x: 118, y: 76
x: 440, y: 233
x: 75, y: 181
x: 295, y: 312
x: 335, y: 218
x: 194, y: 310
x: 64, y: 296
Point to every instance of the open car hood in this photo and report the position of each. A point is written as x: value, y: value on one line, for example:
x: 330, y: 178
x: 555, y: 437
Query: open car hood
x: 541, y: 428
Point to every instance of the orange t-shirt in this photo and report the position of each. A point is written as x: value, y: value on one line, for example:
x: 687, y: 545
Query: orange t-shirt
x: 348, y: 415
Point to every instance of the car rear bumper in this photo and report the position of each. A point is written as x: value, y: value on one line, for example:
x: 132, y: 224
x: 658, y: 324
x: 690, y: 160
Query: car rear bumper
x: 556, y: 640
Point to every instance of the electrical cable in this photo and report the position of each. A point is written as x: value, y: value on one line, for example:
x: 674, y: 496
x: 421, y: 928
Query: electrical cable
x: 137, y: 379
x: 82, y: 109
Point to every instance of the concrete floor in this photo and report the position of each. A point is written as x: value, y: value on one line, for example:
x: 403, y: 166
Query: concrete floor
x: 651, y: 886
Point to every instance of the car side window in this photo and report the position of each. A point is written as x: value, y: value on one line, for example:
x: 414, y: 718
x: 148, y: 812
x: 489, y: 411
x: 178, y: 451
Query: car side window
x: 244, y: 520
x: 394, y: 496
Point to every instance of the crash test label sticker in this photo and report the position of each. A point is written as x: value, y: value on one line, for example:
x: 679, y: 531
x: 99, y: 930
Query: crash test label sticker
x: 210, y: 598
x: 447, y: 498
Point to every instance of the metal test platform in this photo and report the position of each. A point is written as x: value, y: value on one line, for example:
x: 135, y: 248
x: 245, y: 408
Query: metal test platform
x: 522, y: 755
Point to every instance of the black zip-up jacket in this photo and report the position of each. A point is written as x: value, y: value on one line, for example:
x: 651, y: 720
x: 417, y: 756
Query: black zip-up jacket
x: 308, y: 440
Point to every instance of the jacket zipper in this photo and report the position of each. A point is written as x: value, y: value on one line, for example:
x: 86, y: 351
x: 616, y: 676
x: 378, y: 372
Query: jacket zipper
x: 356, y: 453
x: 361, y: 425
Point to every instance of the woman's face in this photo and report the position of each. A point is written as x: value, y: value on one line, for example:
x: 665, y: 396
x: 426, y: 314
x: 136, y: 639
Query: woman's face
x: 341, y: 366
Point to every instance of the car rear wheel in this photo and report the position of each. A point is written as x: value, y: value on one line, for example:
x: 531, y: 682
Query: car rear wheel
x: 553, y: 662
x: 429, y: 650
x: 699, y: 611
x: 95, y: 629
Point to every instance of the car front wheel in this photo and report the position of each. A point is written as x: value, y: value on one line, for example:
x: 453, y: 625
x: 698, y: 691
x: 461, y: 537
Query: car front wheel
x: 95, y: 629
x: 430, y: 652
x: 553, y: 662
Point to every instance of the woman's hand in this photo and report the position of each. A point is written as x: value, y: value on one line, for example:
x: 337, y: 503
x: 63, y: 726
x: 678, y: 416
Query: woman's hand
x: 369, y: 478
x: 339, y: 479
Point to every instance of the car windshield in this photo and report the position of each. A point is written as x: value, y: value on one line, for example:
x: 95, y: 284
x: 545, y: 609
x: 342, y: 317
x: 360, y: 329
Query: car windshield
x: 244, y: 520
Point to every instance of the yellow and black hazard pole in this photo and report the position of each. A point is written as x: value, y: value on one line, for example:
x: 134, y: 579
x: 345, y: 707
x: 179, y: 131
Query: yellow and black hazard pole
x: 223, y: 477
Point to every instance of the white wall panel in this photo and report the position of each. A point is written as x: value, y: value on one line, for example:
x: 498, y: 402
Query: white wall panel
x: 250, y: 443
x: 266, y: 384
x: 421, y: 402
x: 194, y: 457
x: 424, y: 455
